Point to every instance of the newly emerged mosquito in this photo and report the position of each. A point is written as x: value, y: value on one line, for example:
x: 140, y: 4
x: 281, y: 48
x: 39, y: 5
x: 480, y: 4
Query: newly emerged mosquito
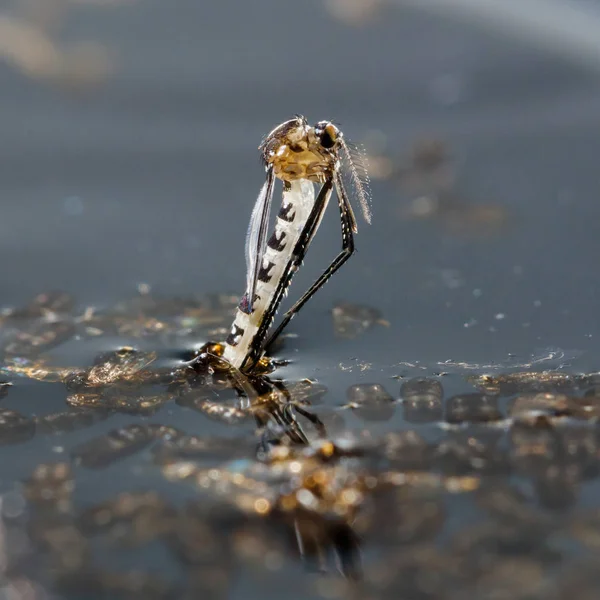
x: 300, y: 155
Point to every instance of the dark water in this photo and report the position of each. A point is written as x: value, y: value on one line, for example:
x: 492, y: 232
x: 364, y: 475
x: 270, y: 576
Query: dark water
x: 151, y: 177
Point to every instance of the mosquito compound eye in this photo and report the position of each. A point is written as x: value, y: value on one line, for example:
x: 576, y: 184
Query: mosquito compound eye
x: 328, y: 136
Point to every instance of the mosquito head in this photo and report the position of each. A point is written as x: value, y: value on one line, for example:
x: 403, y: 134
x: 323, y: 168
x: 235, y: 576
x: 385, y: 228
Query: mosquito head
x: 295, y: 150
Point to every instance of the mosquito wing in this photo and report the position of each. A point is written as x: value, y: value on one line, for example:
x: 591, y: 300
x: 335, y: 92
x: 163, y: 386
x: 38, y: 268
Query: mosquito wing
x: 354, y: 172
x: 256, y: 239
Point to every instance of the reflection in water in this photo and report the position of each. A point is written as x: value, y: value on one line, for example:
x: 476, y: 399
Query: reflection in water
x: 4, y: 387
x: 390, y: 508
x: 352, y: 320
x: 370, y: 401
x: 422, y: 400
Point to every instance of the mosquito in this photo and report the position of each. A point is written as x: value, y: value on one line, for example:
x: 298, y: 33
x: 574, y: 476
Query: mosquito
x: 300, y: 155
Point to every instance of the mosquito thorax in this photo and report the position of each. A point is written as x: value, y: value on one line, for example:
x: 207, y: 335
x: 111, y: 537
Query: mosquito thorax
x: 297, y: 150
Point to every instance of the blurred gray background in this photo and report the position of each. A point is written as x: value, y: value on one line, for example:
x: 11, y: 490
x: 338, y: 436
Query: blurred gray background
x: 129, y: 154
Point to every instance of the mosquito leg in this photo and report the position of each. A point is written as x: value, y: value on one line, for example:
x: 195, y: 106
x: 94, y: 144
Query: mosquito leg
x: 319, y: 425
x: 278, y: 421
x: 289, y: 315
x: 340, y: 259
x: 295, y: 432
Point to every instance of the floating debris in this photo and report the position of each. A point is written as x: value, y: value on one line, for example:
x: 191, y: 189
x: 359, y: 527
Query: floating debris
x: 527, y: 382
x: 121, y: 366
x: 36, y: 369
